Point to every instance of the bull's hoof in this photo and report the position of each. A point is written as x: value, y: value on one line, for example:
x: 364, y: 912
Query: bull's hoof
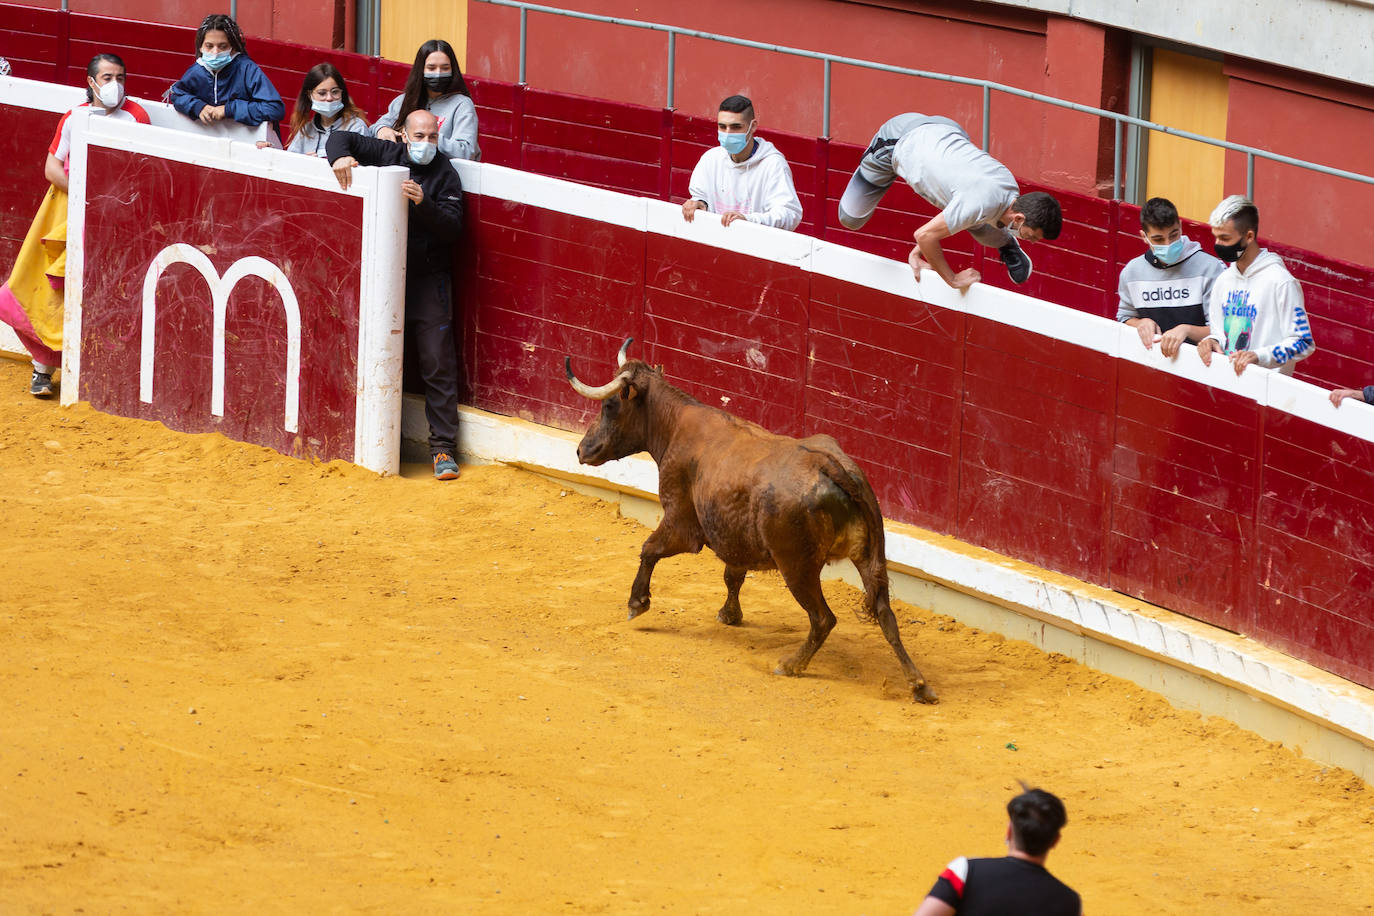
x: 730, y: 616
x: 787, y: 669
x: 638, y: 606
x: 924, y: 694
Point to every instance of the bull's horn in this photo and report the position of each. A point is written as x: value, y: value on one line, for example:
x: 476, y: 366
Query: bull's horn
x: 596, y: 394
x: 624, y: 348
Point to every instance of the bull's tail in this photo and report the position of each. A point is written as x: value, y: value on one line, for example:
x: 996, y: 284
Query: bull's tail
x: 872, y: 561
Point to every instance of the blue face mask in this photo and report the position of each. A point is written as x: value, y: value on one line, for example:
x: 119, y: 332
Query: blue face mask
x: 734, y: 143
x: 216, y: 62
x: 1170, y: 253
x: 329, y: 109
x: 422, y: 153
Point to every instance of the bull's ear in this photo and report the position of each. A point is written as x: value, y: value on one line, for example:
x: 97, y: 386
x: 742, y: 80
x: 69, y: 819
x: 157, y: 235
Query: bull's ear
x: 628, y: 391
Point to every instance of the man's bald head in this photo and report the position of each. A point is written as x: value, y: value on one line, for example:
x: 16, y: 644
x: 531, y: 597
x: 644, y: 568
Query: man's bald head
x: 422, y: 125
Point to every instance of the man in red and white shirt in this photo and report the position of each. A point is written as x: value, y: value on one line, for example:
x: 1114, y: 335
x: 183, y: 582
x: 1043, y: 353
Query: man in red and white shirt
x: 104, y: 96
x: 31, y: 299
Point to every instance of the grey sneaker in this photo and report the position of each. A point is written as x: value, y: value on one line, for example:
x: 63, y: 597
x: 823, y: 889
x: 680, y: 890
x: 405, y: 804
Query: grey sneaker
x: 445, y: 468
x: 1018, y: 265
x: 41, y: 385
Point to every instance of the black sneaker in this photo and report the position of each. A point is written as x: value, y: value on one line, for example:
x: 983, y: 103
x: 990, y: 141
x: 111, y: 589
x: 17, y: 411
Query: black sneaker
x: 1018, y: 265
x: 41, y: 386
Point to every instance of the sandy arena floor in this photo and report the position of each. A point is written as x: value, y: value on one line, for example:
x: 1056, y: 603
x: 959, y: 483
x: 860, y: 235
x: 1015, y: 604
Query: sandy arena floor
x: 235, y: 682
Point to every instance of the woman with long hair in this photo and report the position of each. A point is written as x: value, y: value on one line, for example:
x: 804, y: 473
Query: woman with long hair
x: 436, y: 84
x: 323, y: 107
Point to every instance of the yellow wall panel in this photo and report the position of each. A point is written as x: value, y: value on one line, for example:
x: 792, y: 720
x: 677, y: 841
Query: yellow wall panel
x: 1189, y: 93
x: 407, y: 24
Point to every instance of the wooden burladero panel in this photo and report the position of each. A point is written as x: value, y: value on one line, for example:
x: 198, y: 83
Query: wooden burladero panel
x: 232, y: 219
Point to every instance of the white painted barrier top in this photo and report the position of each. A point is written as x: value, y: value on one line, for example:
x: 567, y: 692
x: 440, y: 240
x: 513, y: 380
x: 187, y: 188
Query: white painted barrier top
x: 1103, y: 335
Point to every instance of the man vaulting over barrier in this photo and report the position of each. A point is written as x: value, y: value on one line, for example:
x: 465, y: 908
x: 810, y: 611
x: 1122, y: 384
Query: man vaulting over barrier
x: 973, y: 191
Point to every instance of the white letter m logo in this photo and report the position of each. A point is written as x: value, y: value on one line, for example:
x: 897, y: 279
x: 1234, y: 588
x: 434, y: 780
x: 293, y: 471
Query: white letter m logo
x: 220, y: 289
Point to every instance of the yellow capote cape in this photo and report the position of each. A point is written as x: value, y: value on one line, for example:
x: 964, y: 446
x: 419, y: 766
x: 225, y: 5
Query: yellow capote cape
x: 42, y: 256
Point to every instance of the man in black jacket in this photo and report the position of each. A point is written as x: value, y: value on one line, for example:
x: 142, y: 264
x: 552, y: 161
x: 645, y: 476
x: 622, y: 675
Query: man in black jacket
x: 436, y: 221
x: 1017, y: 885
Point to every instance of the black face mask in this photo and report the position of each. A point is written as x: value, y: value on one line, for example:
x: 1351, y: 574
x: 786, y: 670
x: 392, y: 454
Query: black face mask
x: 1230, y: 253
x: 438, y: 83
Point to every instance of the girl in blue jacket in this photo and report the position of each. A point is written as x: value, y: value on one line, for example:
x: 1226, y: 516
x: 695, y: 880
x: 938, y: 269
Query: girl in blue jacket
x: 224, y: 82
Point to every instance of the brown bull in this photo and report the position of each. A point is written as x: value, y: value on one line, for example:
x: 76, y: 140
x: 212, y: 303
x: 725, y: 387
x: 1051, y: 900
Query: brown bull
x: 759, y: 500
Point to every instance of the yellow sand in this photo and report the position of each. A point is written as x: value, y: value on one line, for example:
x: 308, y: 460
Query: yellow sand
x: 236, y: 682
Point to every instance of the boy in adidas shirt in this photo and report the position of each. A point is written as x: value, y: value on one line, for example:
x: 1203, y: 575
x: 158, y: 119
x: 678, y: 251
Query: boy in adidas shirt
x: 1163, y: 293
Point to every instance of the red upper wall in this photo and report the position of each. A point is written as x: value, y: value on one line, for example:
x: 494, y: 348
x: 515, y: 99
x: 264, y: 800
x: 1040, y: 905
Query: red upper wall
x: 319, y: 23
x: 1006, y: 45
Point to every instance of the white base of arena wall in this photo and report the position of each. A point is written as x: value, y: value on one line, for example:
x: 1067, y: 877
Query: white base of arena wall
x: 1192, y: 664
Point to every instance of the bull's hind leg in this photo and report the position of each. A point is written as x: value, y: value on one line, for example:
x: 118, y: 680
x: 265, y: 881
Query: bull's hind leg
x: 873, y: 572
x: 806, y: 588
x: 730, y: 613
x: 887, y: 621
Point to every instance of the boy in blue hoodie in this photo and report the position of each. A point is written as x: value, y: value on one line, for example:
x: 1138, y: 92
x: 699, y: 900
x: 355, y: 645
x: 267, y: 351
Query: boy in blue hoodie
x: 224, y: 82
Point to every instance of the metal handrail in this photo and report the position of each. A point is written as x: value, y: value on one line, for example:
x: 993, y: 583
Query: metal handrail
x: 988, y: 86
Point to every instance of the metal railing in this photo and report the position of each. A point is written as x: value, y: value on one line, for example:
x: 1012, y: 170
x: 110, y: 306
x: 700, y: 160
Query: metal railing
x: 988, y: 87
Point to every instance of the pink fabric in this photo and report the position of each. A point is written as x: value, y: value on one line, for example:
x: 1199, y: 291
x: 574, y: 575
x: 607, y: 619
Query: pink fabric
x: 13, y: 315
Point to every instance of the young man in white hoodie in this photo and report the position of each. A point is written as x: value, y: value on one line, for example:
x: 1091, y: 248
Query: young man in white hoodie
x: 745, y: 177
x: 1255, y: 312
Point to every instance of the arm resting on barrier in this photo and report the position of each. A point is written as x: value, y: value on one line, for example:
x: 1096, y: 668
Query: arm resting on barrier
x: 185, y: 92
x: 367, y: 150
x: 929, y: 252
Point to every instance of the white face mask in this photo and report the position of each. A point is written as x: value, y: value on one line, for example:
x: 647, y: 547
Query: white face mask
x: 111, y: 94
x: 422, y: 153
